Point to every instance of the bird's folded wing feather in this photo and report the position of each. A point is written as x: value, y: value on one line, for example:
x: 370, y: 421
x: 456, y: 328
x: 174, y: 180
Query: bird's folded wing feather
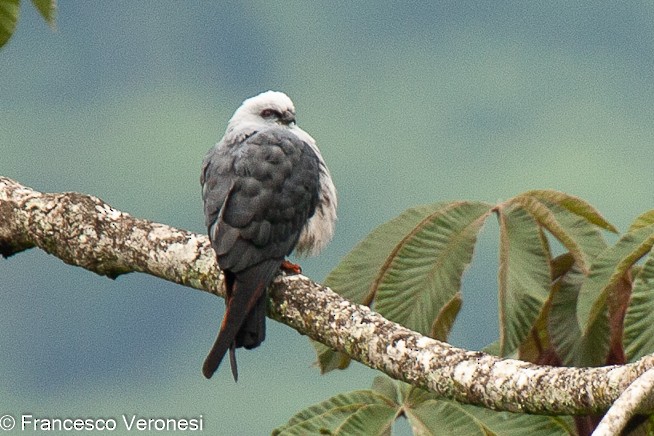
x: 258, y: 195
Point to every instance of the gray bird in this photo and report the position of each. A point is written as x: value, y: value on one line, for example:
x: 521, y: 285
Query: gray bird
x: 266, y: 192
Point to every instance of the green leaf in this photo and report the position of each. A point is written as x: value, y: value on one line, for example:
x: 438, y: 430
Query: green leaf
x: 531, y: 349
x: 607, y: 270
x: 639, y: 319
x: 404, y: 394
x: 585, y: 234
x: 329, y: 415
x: 388, y: 388
x: 518, y: 424
x: 9, y: 11
x: 328, y: 359
x: 493, y: 348
x: 642, y: 220
x: 374, y: 412
x: 423, y: 273
x: 561, y: 265
x: 354, y: 275
x: 426, y: 415
x: 434, y: 418
x: 48, y: 10
x: 576, y: 232
x: 574, y: 205
x: 438, y: 417
x: 375, y: 419
x: 429, y: 416
x: 524, y: 276
x: 571, y: 346
x: 320, y: 423
x: 366, y: 267
x: 446, y: 317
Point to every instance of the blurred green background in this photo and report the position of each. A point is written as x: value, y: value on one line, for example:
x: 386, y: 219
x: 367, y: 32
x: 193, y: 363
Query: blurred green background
x: 411, y: 103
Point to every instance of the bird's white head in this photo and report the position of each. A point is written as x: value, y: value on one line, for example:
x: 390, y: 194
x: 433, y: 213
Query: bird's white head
x: 270, y: 108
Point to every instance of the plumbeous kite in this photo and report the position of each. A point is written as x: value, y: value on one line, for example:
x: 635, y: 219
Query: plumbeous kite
x: 266, y: 191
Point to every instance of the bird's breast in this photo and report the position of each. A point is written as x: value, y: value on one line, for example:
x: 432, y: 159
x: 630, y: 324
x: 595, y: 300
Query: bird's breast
x: 319, y: 230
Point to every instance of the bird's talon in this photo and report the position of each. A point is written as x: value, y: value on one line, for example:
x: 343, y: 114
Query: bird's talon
x: 291, y: 268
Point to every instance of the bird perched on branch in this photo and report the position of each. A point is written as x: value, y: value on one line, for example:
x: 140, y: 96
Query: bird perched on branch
x: 266, y: 192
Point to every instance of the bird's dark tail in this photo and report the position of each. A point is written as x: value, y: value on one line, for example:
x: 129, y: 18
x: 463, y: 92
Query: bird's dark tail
x: 244, y: 323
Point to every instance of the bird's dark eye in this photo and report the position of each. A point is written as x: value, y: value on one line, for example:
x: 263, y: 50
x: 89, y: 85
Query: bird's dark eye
x: 270, y: 113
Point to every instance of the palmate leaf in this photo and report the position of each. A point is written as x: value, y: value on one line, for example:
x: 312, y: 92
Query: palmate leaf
x: 575, y: 224
x: 638, y: 338
x: 571, y: 346
x: 328, y: 359
x: 389, y: 388
x: 574, y: 205
x: 435, y: 418
x: 358, y: 412
x: 410, y: 269
x: 570, y: 220
x: 642, y: 220
x: 446, y: 317
x: 607, y: 270
x: 353, y: 276
x: 9, y: 11
x: 419, y: 286
x: 47, y: 9
x: 375, y: 419
x: 586, y: 234
x: 524, y: 276
x: 518, y: 424
x: 429, y: 416
x: 531, y: 349
x: 373, y: 412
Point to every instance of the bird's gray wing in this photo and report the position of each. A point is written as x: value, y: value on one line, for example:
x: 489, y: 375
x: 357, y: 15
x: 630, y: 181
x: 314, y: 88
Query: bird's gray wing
x: 216, y: 180
x: 258, y: 196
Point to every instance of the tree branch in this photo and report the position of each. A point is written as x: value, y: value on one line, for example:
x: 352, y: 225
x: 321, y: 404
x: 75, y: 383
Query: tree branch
x: 84, y: 231
x: 625, y: 407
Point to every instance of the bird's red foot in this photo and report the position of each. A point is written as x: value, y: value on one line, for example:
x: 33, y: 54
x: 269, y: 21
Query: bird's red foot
x: 290, y: 267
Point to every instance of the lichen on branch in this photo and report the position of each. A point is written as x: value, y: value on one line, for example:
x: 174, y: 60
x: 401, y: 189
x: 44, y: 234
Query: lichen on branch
x: 84, y: 231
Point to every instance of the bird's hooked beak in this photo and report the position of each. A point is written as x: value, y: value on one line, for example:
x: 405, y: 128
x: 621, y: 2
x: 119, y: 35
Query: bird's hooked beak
x: 288, y: 117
